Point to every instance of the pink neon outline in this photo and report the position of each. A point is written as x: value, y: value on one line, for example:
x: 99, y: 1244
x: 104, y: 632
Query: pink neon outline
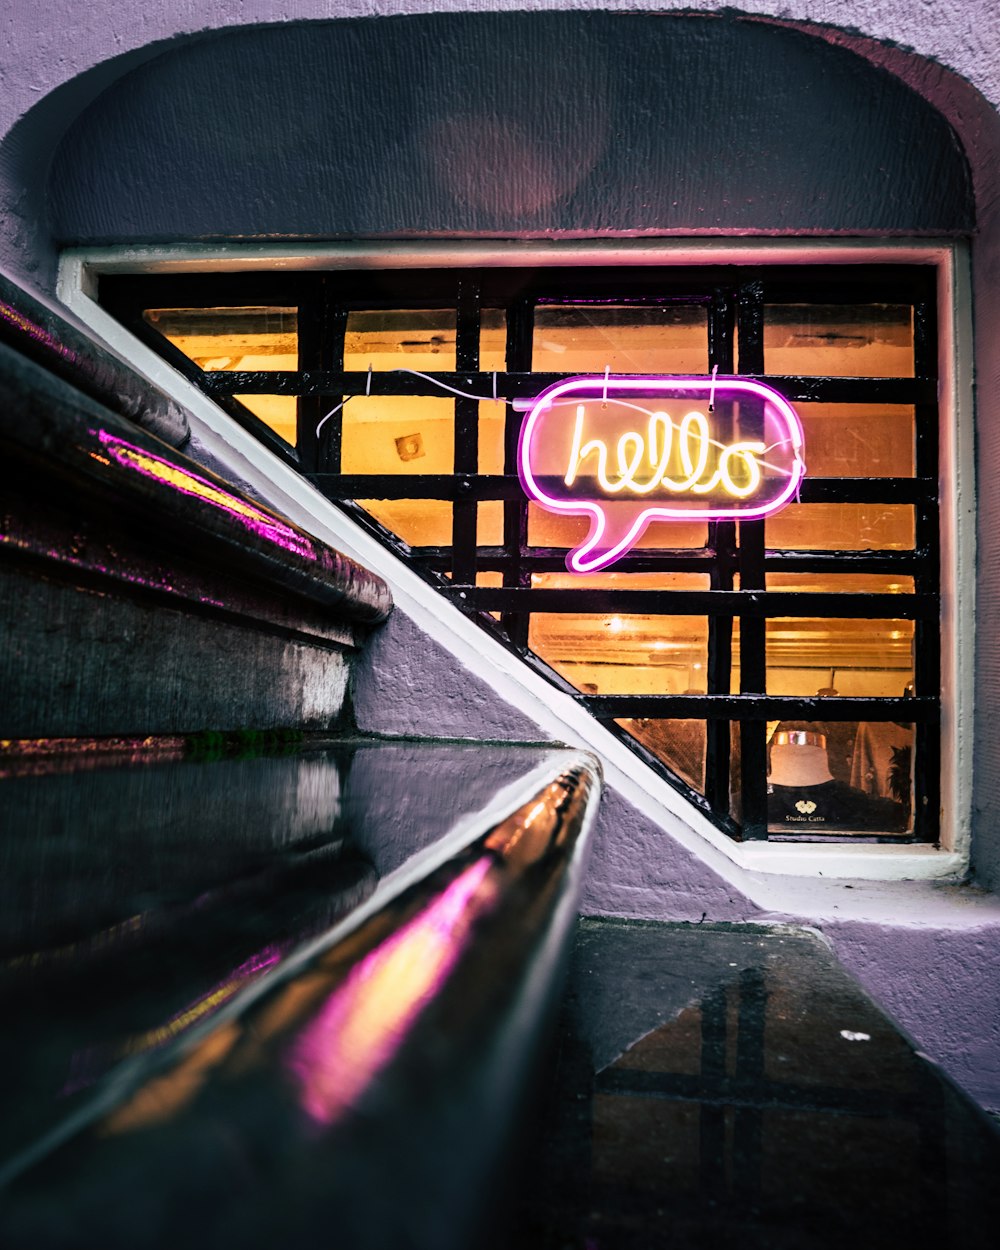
x: 593, y: 388
x: 266, y: 525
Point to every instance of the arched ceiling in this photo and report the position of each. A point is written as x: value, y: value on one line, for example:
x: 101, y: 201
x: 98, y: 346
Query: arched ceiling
x: 506, y: 124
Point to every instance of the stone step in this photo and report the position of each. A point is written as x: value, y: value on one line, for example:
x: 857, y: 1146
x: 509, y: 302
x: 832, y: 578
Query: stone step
x: 140, y: 594
x: 318, y: 973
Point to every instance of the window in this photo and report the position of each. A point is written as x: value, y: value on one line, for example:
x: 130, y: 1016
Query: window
x: 784, y: 673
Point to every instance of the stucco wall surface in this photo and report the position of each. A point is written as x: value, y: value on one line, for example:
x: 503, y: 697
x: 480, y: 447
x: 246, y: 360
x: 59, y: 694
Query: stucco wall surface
x: 57, y: 44
x: 942, y: 989
x: 461, y: 126
x: 50, y: 42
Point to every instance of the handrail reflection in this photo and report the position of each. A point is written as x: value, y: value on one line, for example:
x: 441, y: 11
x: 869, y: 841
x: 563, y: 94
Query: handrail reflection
x: 342, y: 1020
x: 365, y: 1021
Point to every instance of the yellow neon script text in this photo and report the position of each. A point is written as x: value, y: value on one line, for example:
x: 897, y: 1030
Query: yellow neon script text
x: 643, y: 460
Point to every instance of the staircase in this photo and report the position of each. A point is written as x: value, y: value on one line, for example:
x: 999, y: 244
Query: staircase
x: 252, y: 962
x: 267, y: 980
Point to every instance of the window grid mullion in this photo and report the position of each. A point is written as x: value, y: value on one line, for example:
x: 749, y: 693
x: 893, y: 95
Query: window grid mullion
x: 520, y: 335
x: 722, y: 539
x: 753, y: 632
x: 329, y: 447
x: 466, y: 436
x: 312, y: 353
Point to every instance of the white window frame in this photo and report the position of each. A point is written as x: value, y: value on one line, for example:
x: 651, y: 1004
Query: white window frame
x: 219, y: 438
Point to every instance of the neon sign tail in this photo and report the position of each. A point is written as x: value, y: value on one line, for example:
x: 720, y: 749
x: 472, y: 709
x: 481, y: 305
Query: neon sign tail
x: 613, y: 532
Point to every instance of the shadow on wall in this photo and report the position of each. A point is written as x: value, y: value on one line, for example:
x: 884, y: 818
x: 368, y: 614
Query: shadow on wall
x: 497, y: 123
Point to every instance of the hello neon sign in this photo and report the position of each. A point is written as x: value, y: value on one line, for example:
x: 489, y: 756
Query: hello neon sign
x: 628, y: 451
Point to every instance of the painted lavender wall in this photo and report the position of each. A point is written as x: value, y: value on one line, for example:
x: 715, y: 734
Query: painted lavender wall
x: 73, y: 161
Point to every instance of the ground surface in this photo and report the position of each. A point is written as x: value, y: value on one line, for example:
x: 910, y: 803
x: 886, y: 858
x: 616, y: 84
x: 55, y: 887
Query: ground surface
x: 716, y: 1086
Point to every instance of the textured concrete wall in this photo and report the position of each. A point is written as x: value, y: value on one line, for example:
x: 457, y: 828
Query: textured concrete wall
x: 464, y: 124
x: 941, y: 986
x: 86, y: 662
x: 63, y: 60
x: 48, y: 45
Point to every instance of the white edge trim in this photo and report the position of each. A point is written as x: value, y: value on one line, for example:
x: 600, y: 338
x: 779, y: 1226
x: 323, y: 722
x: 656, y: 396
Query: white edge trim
x: 958, y: 547
x: 556, y: 714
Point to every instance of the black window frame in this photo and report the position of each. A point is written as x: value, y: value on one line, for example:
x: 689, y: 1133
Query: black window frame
x: 734, y: 297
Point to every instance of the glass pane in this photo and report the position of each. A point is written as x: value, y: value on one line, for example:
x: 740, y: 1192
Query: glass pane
x: 400, y: 339
x: 842, y: 527
x: 395, y: 434
x: 588, y: 338
x: 841, y: 583
x: 680, y: 744
x: 858, y: 440
x: 489, y: 525
x: 839, y: 340
x: 493, y: 339
x: 277, y: 411
x: 244, y: 339
x: 492, y: 417
x: 863, y: 658
x: 419, y: 522
x: 839, y: 777
x: 549, y: 529
x: 667, y: 535
x: 427, y: 522
x: 622, y: 653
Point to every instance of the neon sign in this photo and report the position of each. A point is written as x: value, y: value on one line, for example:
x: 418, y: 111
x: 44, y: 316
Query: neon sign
x: 628, y: 451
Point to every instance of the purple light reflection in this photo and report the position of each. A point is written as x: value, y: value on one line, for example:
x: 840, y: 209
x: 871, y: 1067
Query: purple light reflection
x: 88, y: 1066
x: 364, y: 1021
x: 254, y: 519
x: 34, y: 331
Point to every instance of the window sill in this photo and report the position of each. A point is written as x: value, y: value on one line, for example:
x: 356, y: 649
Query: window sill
x: 875, y: 863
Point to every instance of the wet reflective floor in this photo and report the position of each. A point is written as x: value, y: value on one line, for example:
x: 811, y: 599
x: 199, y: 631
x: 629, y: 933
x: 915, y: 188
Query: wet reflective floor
x: 171, y: 1075
x: 239, y: 992
x: 717, y: 1086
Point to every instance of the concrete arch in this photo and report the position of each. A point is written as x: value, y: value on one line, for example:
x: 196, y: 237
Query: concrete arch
x: 506, y: 124
x: 51, y: 77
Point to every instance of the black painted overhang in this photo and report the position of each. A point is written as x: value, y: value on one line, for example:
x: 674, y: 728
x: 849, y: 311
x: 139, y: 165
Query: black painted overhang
x: 506, y: 123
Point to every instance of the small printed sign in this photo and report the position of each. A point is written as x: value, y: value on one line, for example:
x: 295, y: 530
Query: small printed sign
x: 628, y: 451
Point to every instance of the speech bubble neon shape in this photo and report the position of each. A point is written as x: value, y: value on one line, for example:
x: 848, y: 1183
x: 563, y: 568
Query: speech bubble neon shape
x: 648, y: 450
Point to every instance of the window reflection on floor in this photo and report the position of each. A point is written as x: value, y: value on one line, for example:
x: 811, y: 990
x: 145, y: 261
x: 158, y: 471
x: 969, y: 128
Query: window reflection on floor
x: 731, y: 1086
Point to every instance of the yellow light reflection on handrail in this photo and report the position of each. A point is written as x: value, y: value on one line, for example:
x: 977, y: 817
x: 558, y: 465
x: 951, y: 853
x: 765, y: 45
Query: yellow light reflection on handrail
x: 364, y: 1021
x: 257, y: 520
